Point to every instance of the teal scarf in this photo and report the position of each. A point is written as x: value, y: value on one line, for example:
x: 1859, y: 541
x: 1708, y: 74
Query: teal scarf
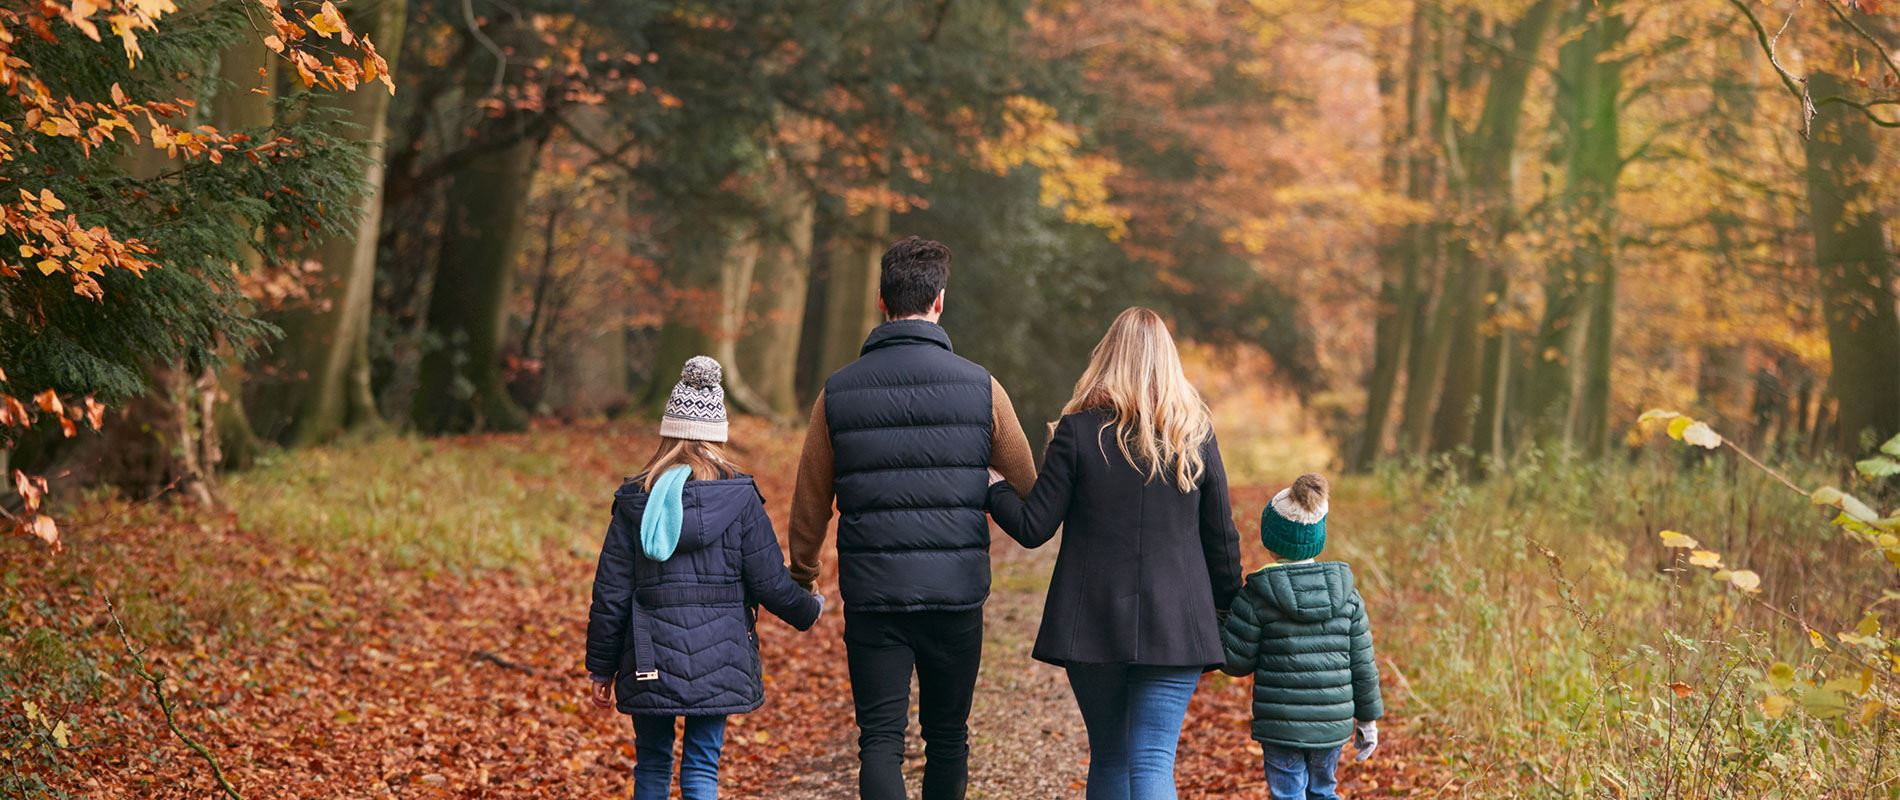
x: 665, y: 513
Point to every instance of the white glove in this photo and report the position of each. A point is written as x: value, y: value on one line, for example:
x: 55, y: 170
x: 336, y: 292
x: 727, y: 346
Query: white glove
x: 1365, y: 738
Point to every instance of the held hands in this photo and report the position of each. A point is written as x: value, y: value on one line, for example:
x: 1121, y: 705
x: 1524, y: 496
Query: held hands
x: 1365, y: 738
x: 820, y: 597
x: 603, y: 692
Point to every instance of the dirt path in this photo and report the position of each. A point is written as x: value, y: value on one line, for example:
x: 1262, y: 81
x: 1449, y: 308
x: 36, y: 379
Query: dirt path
x: 1027, y: 741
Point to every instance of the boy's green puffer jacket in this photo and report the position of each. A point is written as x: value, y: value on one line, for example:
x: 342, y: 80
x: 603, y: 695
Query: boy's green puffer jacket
x: 1301, y: 631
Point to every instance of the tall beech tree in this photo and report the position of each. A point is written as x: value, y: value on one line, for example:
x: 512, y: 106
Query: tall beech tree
x: 1855, y: 266
x: 318, y: 376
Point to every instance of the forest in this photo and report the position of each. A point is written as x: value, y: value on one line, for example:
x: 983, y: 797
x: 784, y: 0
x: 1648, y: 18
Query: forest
x: 328, y: 326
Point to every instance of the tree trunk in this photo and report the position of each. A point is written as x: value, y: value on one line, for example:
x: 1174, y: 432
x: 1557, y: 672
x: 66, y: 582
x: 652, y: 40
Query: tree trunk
x: 1567, y: 396
x: 460, y: 386
x: 1486, y: 187
x: 321, y: 368
x: 768, y: 350
x: 1408, y: 168
x: 851, y: 290
x: 710, y: 262
x: 1856, y: 280
x: 247, y: 73
x: 1722, y: 377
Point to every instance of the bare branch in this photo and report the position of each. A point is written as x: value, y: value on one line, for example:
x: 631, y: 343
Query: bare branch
x: 165, y: 704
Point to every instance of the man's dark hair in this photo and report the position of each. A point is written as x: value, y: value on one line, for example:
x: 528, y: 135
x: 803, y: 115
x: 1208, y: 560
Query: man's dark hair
x: 913, y: 272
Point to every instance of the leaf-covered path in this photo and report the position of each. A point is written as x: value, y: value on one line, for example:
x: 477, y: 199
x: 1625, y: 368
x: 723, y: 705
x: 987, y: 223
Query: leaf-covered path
x: 361, y: 678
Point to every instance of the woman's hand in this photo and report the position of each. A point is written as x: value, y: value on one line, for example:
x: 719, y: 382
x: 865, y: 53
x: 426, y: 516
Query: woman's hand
x: 603, y: 692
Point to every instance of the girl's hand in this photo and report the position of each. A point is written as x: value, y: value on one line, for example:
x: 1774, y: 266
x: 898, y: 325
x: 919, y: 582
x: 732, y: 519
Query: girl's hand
x: 603, y: 693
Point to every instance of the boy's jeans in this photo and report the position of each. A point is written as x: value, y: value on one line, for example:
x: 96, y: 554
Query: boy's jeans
x: 1301, y: 774
x: 699, y: 757
x: 1133, y: 715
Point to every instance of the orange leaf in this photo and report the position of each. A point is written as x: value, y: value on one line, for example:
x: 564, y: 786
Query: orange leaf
x: 48, y: 401
x: 32, y: 489
x: 43, y: 527
x: 95, y: 412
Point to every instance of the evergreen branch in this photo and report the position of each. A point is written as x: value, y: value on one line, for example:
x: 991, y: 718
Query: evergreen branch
x: 165, y: 704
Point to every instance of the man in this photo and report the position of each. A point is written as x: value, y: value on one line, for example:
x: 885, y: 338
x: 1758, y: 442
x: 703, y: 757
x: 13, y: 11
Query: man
x: 903, y: 439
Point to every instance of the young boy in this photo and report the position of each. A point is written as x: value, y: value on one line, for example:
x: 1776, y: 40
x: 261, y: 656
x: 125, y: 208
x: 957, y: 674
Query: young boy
x: 1299, y: 627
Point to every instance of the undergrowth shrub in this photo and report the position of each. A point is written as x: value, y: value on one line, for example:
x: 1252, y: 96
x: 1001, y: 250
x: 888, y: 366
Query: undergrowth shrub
x: 1561, y: 648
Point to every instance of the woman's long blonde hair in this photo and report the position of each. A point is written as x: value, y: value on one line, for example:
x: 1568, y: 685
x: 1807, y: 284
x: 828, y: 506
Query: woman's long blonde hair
x: 1161, y: 422
x: 707, y: 459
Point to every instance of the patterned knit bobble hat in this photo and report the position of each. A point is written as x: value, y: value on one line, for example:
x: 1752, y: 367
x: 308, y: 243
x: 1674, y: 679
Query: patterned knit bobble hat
x: 697, y: 408
x: 1293, y: 526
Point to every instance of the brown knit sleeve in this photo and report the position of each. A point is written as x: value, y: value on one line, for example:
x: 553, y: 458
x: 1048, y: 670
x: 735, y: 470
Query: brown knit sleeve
x: 812, y: 500
x: 1009, y: 448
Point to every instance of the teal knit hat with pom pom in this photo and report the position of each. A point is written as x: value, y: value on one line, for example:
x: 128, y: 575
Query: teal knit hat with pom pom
x: 1293, y: 526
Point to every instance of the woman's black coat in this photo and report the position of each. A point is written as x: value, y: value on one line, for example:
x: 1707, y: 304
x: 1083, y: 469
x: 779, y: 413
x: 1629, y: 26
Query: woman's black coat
x: 1145, y: 568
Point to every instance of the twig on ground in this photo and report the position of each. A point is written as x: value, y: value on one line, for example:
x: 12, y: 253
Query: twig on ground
x: 165, y: 704
x: 504, y: 663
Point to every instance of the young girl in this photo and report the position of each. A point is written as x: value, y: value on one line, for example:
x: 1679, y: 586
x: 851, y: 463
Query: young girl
x: 689, y: 556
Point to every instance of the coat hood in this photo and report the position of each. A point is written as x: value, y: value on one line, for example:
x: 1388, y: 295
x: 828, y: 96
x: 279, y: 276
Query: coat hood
x: 1305, y: 592
x: 709, y: 508
x: 907, y: 331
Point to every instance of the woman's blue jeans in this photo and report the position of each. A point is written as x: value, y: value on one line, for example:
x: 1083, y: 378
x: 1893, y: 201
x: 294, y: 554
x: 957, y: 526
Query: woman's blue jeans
x: 1134, y: 715
x: 699, y: 757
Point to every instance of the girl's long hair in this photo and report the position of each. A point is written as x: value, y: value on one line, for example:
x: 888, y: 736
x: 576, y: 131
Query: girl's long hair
x: 707, y: 459
x: 1161, y: 422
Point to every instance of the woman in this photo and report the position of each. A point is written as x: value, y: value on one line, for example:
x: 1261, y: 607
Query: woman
x: 1151, y: 558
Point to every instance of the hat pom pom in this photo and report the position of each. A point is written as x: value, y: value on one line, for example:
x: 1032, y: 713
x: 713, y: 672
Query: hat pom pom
x: 701, y: 372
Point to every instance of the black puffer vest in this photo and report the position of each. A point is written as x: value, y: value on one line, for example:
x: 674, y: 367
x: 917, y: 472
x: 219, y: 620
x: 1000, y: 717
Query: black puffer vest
x: 910, y: 436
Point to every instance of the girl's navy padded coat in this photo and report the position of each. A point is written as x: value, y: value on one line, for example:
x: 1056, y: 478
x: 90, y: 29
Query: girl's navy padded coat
x: 698, y: 606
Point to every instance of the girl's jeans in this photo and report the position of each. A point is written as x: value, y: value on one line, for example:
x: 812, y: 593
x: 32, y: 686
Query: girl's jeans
x: 1134, y: 715
x: 699, y: 757
x: 1301, y: 774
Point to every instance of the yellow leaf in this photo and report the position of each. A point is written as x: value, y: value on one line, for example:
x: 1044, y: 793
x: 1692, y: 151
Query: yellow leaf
x: 48, y: 266
x: 1745, y: 580
x: 1775, y: 706
x: 31, y: 709
x: 1781, y: 676
x: 1678, y: 425
x: 1656, y: 414
x: 1870, y: 710
x: 1705, y: 558
x: 1674, y: 539
x: 1843, y: 685
x: 327, y: 22
x: 62, y: 735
